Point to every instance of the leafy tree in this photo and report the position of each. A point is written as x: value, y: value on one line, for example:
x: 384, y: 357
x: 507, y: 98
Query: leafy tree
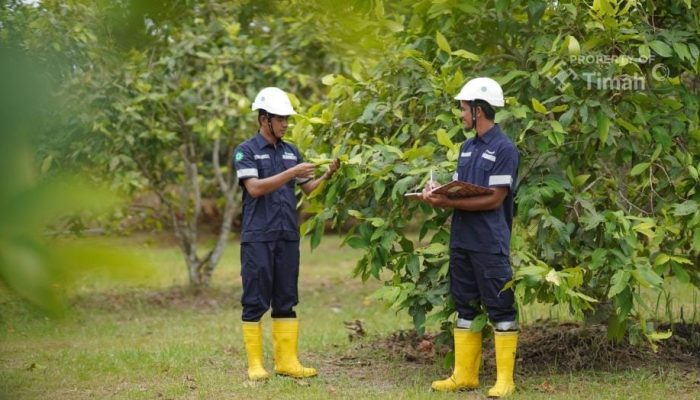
x: 167, y: 115
x: 32, y: 265
x: 607, y: 199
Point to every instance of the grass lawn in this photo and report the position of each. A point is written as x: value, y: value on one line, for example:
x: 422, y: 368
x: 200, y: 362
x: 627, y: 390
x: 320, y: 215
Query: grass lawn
x: 153, y: 339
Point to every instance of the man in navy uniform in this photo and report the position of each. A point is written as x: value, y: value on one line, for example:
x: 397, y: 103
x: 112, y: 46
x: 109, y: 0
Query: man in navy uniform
x: 268, y: 168
x: 480, y: 241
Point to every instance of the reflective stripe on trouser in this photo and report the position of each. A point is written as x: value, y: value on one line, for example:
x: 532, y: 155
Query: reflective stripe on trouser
x: 479, y: 278
x: 498, y: 326
x: 270, y: 272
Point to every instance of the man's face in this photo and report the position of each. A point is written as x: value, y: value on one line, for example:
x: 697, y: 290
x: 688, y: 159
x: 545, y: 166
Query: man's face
x: 279, y: 124
x: 466, y: 114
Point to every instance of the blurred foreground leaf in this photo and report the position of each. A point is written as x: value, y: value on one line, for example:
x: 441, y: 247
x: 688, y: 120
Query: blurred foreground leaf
x: 36, y: 267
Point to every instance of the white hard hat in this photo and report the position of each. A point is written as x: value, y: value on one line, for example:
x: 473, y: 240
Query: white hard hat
x: 274, y: 101
x: 485, y: 89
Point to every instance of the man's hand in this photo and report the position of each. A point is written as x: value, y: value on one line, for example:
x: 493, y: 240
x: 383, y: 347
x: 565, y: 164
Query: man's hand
x: 435, y: 200
x: 332, y: 168
x: 304, y: 170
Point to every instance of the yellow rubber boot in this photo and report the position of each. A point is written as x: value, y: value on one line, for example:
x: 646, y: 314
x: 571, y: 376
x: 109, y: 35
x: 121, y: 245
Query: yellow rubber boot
x: 252, y: 336
x: 467, y: 363
x: 285, y: 335
x: 506, y: 344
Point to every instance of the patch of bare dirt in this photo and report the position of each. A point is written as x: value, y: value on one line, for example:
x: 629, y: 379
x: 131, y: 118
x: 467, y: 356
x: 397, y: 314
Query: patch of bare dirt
x: 565, y: 346
x: 175, y: 298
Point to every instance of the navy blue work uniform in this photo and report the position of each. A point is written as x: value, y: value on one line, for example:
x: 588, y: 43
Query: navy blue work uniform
x: 270, y: 231
x: 480, y: 240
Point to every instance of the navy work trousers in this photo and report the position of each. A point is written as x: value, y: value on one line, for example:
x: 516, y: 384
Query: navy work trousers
x: 270, y: 273
x: 479, y: 278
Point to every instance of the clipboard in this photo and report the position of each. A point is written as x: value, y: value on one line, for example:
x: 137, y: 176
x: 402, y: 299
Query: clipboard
x: 455, y: 190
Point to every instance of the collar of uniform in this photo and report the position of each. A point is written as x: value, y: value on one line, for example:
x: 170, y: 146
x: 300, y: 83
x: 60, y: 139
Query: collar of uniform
x: 261, y: 142
x: 490, y: 134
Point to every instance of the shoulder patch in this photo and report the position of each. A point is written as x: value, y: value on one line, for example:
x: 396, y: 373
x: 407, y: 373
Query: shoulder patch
x: 239, y: 155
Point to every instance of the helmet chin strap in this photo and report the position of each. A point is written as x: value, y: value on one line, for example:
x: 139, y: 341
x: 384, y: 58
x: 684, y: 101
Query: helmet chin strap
x: 473, y: 109
x: 269, y: 124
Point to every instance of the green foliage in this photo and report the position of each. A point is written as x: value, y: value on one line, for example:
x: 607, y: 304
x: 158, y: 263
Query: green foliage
x: 609, y: 136
x: 35, y: 267
x: 607, y: 200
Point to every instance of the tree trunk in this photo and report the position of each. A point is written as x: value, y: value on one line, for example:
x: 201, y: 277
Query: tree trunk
x: 200, y: 269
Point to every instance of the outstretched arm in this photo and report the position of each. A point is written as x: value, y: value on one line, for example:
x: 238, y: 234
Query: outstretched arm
x: 311, y: 185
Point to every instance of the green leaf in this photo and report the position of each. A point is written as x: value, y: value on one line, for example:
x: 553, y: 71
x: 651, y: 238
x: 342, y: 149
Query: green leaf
x: 681, y: 260
x: 603, y: 127
x: 618, y: 283
x: 639, y: 168
x: 553, y: 277
x: 646, y: 228
x: 443, y: 139
x: 581, y: 295
x: 581, y: 179
x: 537, y: 106
x: 442, y: 42
x: 682, y: 50
x: 46, y: 164
x: 661, y: 259
x: 318, y: 233
x: 432, y: 249
x: 356, y: 242
x: 646, y: 277
x: 661, y: 48
x: 659, y: 335
x: 376, y: 222
x: 479, y: 323
x: 379, y: 187
x: 419, y: 320
x: 680, y: 273
x: 387, y: 293
x: 573, y: 46
x: 356, y: 214
x: 556, y: 126
x: 466, y: 55
x: 686, y: 208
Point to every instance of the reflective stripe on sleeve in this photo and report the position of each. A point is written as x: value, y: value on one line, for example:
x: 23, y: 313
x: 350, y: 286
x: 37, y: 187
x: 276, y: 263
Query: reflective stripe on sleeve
x: 247, y: 173
x: 500, y: 180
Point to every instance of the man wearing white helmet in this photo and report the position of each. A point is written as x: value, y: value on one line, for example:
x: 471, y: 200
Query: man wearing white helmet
x: 480, y: 241
x: 268, y: 168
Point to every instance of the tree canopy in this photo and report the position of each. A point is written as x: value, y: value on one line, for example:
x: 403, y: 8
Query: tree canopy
x: 602, y: 103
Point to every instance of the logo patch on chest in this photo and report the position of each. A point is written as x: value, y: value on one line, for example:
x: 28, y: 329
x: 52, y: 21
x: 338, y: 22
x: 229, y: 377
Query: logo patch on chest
x: 262, y: 156
x: 489, y: 157
x: 289, y: 156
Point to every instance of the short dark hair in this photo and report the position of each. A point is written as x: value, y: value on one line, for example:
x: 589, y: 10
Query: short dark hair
x: 486, y: 108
